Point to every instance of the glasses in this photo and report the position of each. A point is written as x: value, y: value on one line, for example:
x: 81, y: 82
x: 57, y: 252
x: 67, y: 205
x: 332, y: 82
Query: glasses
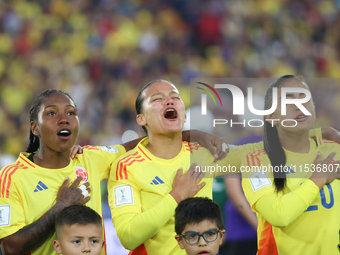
x: 194, y: 237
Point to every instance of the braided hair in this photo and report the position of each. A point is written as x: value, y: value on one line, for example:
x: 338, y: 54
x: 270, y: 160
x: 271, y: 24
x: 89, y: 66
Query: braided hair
x: 34, y: 143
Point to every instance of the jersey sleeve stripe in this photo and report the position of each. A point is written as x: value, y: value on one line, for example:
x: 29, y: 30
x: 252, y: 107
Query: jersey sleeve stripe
x: 133, y: 161
x: 252, y: 159
x: 3, y: 179
x: 10, y: 181
x: 186, y: 146
x: 194, y: 146
x: 89, y: 147
x: 117, y: 167
x: 25, y: 161
x: 7, y: 183
x: 144, y: 153
x: 248, y: 162
x: 257, y: 157
x: 121, y: 165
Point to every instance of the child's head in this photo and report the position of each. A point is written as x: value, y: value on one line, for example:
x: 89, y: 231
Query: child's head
x: 79, y: 230
x: 199, y: 226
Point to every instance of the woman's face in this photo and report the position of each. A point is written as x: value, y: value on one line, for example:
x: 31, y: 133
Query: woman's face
x: 57, y: 124
x: 303, y: 122
x: 163, y: 111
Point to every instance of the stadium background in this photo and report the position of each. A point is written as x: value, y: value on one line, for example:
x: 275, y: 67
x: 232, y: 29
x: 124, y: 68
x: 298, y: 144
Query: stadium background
x: 103, y: 51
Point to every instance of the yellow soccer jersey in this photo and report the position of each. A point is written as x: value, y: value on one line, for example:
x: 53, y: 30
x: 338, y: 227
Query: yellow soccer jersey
x: 27, y: 191
x: 315, y: 229
x: 140, y: 183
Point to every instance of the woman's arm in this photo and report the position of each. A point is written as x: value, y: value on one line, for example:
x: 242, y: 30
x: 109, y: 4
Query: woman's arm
x: 282, y: 209
x: 129, y: 224
x: 33, y: 235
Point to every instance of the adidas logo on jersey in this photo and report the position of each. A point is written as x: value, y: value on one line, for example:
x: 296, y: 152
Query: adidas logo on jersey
x: 156, y: 181
x: 288, y: 170
x: 41, y: 186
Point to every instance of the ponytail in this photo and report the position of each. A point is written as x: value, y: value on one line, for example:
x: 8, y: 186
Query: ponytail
x: 276, y: 154
x: 271, y: 139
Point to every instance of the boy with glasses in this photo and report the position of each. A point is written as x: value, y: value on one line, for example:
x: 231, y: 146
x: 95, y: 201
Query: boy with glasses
x: 199, y: 226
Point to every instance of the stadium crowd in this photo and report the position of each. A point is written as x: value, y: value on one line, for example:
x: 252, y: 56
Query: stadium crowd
x: 102, y: 52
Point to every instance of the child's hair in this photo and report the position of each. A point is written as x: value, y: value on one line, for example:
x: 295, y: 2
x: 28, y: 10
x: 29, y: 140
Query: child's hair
x: 77, y: 214
x: 196, y: 210
x: 34, y: 143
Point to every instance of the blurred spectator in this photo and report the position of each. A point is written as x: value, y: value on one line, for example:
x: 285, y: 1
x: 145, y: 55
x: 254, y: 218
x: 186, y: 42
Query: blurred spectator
x: 100, y: 51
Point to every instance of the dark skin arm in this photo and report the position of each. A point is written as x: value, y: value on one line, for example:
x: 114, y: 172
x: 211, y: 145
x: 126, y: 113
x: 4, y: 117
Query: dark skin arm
x: 212, y: 142
x: 33, y: 235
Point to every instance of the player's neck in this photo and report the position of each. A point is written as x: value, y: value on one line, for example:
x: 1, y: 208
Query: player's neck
x: 53, y: 160
x: 298, y: 143
x: 165, y: 147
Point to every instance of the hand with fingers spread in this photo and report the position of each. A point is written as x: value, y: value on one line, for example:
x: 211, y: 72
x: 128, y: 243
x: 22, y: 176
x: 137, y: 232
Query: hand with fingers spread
x: 328, y: 170
x: 74, y: 195
x: 187, y: 185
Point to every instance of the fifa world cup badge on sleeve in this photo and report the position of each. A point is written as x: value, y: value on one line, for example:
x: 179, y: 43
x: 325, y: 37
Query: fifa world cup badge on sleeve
x: 123, y: 195
x: 259, y: 180
x: 5, y: 215
x: 109, y: 149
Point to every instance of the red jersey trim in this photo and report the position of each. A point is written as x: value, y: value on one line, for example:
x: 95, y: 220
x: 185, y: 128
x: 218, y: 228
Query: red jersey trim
x: 117, y: 167
x: 140, y: 250
x: 195, y: 146
x: 90, y: 147
x: 252, y: 157
x: 186, y: 147
x: 144, y: 153
x: 6, y: 180
x: 124, y: 162
x: 3, y: 179
x: 268, y: 244
x: 27, y: 162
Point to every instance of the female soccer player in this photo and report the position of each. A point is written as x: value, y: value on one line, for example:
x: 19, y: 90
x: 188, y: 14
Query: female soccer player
x: 31, y: 194
x: 297, y: 207
x: 145, y: 184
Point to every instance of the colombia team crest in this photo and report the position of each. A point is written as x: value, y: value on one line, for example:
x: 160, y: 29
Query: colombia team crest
x: 81, y: 171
